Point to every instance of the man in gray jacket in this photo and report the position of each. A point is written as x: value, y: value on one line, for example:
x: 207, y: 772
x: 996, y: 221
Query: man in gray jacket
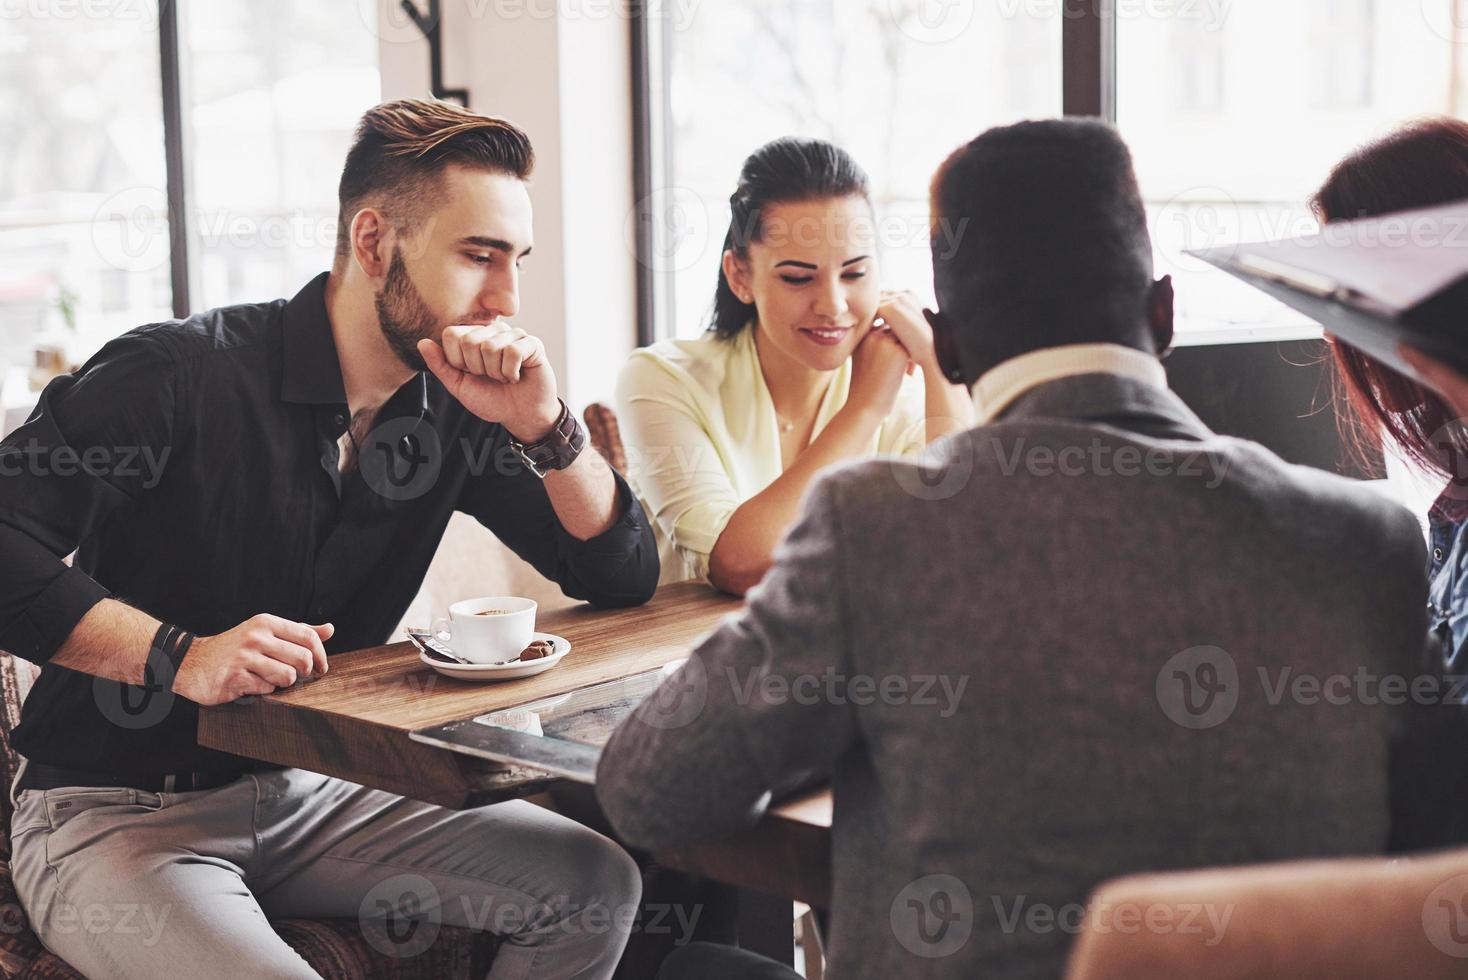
x: 1087, y: 637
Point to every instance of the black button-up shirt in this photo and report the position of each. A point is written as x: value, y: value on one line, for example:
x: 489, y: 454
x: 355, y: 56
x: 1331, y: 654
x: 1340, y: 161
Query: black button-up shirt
x: 193, y: 465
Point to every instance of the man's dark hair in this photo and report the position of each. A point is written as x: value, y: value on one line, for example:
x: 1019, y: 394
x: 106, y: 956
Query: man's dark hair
x: 1040, y: 239
x: 401, y: 149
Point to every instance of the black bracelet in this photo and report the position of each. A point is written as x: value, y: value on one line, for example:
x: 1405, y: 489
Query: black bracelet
x: 162, y: 638
x: 172, y: 643
x: 181, y: 649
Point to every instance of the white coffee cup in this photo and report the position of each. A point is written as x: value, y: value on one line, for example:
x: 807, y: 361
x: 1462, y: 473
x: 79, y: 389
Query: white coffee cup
x: 492, y: 630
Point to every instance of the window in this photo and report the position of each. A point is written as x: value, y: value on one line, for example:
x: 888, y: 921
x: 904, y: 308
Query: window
x: 273, y: 91
x: 1235, y: 111
x: 270, y: 92
x: 1280, y: 90
x: 898, y: 83
x: 1342, y: 46
x: 83, y: 223
x: 1195, y: 66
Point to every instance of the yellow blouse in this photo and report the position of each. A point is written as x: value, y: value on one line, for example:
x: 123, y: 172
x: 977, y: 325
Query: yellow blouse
x: 702, y: 437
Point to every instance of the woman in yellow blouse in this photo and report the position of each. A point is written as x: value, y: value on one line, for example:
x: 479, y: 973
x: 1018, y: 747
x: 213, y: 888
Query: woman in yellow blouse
x: 807, y: 363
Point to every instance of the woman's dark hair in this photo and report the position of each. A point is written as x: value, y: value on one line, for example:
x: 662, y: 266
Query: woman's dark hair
x: 1420, y: 165
x: 788, y: 170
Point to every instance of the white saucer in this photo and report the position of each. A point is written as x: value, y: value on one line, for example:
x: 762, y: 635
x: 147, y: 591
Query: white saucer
x: 503, y: 672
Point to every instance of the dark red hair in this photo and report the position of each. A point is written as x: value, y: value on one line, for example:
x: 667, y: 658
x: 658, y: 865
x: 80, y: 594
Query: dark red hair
x: 1420, y: 165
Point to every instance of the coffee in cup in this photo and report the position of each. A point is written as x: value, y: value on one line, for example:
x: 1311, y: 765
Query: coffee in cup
x: 490, y: 630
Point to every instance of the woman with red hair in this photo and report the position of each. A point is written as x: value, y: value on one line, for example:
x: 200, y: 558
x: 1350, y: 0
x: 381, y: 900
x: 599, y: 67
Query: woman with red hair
x: 1418, y: 166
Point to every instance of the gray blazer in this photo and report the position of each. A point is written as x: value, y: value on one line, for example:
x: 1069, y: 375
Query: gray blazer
x: 1091, y: 638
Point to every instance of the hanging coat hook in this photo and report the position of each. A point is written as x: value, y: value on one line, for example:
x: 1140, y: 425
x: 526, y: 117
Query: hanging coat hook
x: 431, y: 24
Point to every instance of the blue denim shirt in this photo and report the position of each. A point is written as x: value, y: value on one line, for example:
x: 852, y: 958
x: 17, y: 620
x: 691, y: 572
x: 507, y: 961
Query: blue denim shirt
x: 1447, y: 591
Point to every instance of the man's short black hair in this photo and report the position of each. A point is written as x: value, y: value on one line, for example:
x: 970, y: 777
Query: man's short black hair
x: 1046, y: 239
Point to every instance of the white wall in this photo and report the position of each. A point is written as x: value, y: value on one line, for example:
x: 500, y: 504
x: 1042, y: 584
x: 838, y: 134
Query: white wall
x: 561, y: 72
x: 597, y: 200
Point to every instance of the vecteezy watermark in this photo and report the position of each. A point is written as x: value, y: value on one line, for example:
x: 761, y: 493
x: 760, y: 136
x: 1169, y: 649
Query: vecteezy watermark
x: 143, y: 13
x: 401, y: 916
x: 1435, y: 230
x: 1361, y: 686
x: 1196, y: 219
x: 668, y: 230
x: 678, y: 701
x: 1445, y: 917
x: 1202, y: 686
x: 1203, y: 919
x: 141, y: 464
x: 944, y: 468
x: 1105, y: 459
x: 933, y: 916
x: 932, y: 21
x: 138, y: 706
x: 1446, y: 18
x: 142, y: 920
x: 677, y: 14
x: 1449, y: 444
x: 393, y: 24
x: 1208, y: 217
x: 130, y: 229
x: 596, y: 918
x: 297, y: 229
x: 401, y: 458
x: 1198, y: 688
x: 370, y: 690
x: 891, y: 232
x: 1210, y: 15
x: 938, y: 691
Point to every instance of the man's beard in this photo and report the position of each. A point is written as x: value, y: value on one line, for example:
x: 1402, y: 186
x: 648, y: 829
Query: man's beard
x: 403, y: 315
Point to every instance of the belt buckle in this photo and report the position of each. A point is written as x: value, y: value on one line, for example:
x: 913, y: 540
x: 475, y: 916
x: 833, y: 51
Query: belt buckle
x: 168, y: 781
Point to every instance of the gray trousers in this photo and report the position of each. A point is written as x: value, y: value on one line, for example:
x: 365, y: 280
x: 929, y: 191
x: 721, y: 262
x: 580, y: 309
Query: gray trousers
x: 125, y: 883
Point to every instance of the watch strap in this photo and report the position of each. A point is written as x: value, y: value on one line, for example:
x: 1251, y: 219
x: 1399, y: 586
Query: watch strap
x: 558, y: 449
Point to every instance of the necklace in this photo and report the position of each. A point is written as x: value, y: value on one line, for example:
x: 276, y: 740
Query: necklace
x: 785, y: 426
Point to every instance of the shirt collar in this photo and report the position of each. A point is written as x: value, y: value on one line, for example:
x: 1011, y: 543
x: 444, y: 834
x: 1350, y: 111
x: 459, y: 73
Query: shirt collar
x: 998, y: 387
x: 311, y: 373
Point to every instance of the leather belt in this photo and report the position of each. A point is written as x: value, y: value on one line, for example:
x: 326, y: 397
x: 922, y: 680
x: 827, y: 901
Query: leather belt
x: 38, y: 775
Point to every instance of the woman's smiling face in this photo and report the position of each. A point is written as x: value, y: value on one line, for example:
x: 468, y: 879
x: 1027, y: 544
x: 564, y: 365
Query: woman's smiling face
x: 812, y: 277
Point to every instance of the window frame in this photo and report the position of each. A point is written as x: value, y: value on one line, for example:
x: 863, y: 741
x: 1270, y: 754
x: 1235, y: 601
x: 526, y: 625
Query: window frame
x: 170, y: 64
x: 1088, y: 87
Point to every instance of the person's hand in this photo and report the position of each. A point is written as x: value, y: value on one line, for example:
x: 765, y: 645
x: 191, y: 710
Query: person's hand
x: 256, y: 657
x: 904, y: 315
x: 878, y: 365
x: 1446, y: 381
x: 500, y: 373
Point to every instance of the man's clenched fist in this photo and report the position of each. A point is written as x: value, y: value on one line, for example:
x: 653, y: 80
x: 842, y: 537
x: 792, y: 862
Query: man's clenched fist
x: 258, y: 656
x: 500, y: 373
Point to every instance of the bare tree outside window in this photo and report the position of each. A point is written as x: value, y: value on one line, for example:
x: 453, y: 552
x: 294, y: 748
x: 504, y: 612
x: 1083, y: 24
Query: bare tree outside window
x: 898, y: 83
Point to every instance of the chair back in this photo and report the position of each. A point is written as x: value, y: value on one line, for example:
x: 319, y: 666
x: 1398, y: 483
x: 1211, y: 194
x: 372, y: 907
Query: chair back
x: 605, y: 435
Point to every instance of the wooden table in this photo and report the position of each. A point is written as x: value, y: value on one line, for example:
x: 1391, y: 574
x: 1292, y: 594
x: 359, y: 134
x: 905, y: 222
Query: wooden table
x: 354, y: 724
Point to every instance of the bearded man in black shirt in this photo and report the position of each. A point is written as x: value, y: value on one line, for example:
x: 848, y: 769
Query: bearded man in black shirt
x: 306, y: 457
